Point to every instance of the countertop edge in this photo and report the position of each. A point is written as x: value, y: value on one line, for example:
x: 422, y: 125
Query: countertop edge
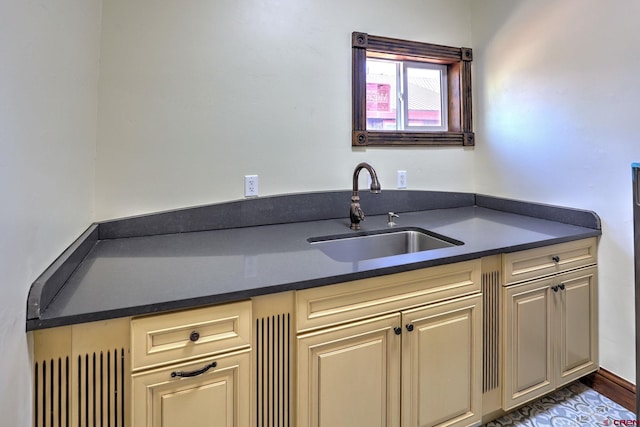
x: 579, y: 217
x: 52, y: 280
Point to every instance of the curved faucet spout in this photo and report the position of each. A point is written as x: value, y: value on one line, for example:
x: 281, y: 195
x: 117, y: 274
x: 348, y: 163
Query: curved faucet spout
x: 375, y: 184
x: 355, y: 212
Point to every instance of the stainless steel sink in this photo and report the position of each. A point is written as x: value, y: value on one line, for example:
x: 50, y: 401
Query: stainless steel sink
x: 378, y: 244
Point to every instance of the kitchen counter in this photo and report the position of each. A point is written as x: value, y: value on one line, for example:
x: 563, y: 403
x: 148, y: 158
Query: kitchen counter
x: 237, y: 250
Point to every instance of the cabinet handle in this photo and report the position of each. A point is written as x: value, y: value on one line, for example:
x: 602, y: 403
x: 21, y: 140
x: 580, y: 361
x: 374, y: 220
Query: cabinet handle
x: 409, y: 327
x: 555, y: 288
x: 195, y: 336
x: 397, y: 330
x: 561, y: 286
x: 193, y: 373
x: 555, y: 259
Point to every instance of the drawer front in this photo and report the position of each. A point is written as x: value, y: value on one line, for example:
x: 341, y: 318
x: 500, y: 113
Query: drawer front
x: 330, y: 305
x: 175, y: 337
x: 217, y: 392
x: 540, y: 262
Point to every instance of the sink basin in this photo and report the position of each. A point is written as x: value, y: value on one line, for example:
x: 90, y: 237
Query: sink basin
x: 377, y: 244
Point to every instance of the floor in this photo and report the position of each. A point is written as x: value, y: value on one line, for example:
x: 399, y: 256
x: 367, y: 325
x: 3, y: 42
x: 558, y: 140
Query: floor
x: 576, y: 405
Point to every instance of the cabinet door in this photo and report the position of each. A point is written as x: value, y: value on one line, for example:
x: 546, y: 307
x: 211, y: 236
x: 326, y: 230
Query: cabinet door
x: 528, y: 342
x: 577, y: 326
x: 349, y: 376
x: 442, y: 364
x: 219, y: 397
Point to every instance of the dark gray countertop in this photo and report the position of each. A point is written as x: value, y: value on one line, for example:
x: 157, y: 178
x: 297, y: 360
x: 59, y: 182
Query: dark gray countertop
x: 124, y: 276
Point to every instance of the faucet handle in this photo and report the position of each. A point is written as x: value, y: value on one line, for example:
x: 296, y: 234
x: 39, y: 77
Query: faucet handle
x: 390, y: 217
x: 356, y: 214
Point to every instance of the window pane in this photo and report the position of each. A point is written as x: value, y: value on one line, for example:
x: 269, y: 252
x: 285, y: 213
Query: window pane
x: 424, y: 97
x: 381, y: 94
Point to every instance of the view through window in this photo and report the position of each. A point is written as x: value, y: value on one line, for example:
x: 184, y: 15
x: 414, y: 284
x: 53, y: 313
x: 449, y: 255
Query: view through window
x: 404, y: 95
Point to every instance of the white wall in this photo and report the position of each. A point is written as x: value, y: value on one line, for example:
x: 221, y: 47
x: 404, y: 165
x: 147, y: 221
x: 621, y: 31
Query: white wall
x: 195, y: 95
x: 48, y: 113
x: 557, y: 116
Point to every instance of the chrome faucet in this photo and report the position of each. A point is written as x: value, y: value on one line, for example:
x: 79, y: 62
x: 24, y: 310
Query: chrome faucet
x: 355, y: 212
x: 390, y: 217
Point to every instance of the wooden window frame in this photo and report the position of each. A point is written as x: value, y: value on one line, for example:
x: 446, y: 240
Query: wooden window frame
x: 458, y: 62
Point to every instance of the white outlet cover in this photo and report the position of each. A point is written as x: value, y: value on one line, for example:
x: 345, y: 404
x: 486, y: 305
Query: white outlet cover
x: 251, y: 185
x: 402, y: 179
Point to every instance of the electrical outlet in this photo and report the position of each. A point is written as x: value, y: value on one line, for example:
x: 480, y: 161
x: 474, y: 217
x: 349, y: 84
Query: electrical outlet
x: 251, y: 186
x: 402, y: 179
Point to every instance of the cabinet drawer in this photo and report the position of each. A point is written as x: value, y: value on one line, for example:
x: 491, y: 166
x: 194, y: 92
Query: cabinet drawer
x: 174, y: 337
x: 539, y: 262
x: 216, y: 392
x: 330, y: 305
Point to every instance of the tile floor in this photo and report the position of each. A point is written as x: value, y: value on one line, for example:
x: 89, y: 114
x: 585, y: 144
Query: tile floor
x: 575, y: 405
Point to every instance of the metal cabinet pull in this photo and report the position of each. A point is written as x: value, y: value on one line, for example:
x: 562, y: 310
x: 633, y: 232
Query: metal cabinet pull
x: 397, y: 330
x: 555, y: 259
x: 561, y: 286
x: 555, y: 288
x: 193, y: 373
x: 409, y: 327
x: 195, y: 336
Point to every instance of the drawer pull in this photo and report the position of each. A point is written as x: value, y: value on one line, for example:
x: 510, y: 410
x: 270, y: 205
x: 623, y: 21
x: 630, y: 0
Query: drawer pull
x: 193, y: 373
x: 195, y: 336
x: 555, y: 259
x: 397, y: 330
x: 561, y: 286
x: 555, y: 288
x: 409, y: 327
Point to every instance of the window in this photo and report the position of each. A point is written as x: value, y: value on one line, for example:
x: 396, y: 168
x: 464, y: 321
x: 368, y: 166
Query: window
x: 410, y: 93
x: 405, y: 95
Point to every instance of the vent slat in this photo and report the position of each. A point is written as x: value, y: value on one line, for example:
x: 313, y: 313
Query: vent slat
x: 51, y: 393
x: 96, y: 383
x: 491, y: 331
x: 36, y: 384
x: 115, y: 388
x: 273, y: 371
x: 59, y: 393
x: 109, y: 388
x: 67, y: 392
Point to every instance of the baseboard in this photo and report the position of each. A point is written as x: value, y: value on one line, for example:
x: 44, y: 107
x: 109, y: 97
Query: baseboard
x: 612, y: 386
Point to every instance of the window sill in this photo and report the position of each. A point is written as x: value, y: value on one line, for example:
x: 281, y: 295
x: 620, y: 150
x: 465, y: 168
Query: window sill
x: 385, y: 138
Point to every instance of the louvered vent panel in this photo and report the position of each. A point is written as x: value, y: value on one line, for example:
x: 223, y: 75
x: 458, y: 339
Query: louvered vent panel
x: 491, y: 332
x: 84, y: 391
x: 273, y: 371
x: 52, y: 389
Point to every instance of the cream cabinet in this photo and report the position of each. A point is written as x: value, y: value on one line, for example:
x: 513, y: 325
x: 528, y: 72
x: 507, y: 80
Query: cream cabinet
x: 81, y: 375
x: 442, y: 364
x: 192, y: 368
x: 420, y: 366
x: 576, y: 325
x: 529, y: 347
x: 210, y: 392
x: 411, y: 349
x: 349, y: 376
x: 550, y: 327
